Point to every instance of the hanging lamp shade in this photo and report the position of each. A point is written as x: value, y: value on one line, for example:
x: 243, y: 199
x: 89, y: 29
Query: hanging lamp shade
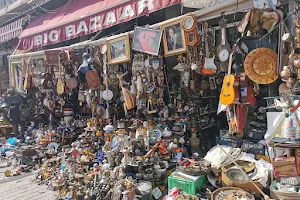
x: 181, y: 67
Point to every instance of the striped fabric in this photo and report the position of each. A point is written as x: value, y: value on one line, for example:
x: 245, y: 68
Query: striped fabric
x: 10, y: 31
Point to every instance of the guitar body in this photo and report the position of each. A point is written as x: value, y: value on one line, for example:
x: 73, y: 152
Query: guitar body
x: 209, y: 67
x: 227, y: 93
x: 60, y: 87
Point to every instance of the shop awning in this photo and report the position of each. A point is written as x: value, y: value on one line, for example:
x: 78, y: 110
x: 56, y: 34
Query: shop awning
x: 84, y: 17
x: 11, y: 31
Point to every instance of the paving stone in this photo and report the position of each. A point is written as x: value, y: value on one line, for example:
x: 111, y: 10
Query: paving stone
x: 25, y: 188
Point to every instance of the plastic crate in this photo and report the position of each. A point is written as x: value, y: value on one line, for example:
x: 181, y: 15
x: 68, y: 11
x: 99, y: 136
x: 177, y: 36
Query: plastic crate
x: 235, y: 143
x: 188, y: 186
x: 253, y: 146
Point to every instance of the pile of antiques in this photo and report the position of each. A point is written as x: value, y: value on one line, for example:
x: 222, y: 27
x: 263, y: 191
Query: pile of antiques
x: 128, y: 119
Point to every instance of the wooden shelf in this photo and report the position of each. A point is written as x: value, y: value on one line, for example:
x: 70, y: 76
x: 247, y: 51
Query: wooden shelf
x: 210, y: 126
x: 208, y: 97
x: 208, y: 113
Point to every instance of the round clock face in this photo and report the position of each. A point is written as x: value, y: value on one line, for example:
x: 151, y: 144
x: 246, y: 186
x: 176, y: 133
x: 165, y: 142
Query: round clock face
x: 223, y: 55
x: 188, y: 22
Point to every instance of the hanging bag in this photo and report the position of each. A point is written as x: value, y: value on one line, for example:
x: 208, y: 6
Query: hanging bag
x: 92, y: 79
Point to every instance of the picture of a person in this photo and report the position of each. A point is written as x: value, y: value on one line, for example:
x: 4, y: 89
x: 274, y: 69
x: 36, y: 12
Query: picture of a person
x: 174, y: 38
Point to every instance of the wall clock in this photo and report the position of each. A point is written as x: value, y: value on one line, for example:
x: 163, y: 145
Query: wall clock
x: 189, y: 25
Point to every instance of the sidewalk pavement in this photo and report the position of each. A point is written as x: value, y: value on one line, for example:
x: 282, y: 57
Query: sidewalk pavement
x: 25, y: 188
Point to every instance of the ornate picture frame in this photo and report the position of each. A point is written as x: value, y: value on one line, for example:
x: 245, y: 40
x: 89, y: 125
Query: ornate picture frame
x: 147, y: 40
x: 118, y: 50
x: 173, y: 38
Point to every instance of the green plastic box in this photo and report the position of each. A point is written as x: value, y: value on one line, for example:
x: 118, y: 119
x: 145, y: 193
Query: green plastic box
x: 188, y: 186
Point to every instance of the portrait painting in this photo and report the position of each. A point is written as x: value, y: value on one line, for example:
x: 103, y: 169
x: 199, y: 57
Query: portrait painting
x: 173, y: 38
x: 118, y: 50
x: 147, y: 40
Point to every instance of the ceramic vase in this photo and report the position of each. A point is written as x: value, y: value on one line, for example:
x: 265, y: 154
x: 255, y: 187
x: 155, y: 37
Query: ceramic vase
x: 194, y: 142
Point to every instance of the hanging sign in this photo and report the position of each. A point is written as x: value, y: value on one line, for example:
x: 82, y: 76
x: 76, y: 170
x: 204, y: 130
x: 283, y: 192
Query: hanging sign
x: 66, y: 24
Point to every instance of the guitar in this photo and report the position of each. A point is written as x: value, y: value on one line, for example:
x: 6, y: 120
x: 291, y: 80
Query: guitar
x: 227, y: 93
x: 209, y: 67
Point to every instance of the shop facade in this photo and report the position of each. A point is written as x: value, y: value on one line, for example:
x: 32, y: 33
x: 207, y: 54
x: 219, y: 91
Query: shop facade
x: 203, y: 100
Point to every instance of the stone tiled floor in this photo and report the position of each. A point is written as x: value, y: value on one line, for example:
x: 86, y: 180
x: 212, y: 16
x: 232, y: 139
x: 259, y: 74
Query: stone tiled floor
x: 25, y: 189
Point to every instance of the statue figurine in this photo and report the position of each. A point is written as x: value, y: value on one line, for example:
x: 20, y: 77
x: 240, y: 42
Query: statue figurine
x: 84, y: 67
x: 126, y: 156
x: 100, y: 155
x: 166, y: 112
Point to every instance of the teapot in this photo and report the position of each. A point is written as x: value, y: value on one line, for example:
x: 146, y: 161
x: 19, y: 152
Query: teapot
x: 285, y: 73
x: 167, y: 132
x: 295, y: 57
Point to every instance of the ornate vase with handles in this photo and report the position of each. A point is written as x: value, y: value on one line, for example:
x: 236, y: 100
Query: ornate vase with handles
x: 194, y: 142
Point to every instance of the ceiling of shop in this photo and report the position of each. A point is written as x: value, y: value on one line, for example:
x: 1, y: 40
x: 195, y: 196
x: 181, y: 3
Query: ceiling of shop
x: 28, y: 7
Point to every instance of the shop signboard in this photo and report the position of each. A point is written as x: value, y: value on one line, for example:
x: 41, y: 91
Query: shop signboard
x: 70, y: 22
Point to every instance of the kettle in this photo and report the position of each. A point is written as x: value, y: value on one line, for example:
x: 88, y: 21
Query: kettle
x: 167, y: 132
x: 3, y: 117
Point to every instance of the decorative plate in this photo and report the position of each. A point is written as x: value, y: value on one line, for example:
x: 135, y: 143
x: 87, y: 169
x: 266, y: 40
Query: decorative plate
x: 245, y: 165
x: 261, y: 66
x: 52, y: 146
x: 236, y: 175
x: 231, y: 193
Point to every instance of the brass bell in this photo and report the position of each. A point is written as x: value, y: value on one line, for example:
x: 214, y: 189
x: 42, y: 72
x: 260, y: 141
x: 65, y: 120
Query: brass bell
x: 3, y: 117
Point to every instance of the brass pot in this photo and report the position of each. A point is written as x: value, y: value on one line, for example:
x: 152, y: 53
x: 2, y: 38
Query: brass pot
x: 285, y: 73
x: 296, y: 62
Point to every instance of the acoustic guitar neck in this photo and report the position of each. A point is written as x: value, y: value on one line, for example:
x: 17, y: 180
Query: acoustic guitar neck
x: 229, y: 68
x: 230, y: 62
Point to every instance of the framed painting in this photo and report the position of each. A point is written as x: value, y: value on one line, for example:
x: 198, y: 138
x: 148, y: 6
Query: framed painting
x: 173, y: 38
x: 146, y: 40
x: 118, y: 50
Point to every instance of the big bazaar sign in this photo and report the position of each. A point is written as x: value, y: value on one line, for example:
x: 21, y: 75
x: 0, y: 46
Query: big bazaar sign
x: 118, y: 14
